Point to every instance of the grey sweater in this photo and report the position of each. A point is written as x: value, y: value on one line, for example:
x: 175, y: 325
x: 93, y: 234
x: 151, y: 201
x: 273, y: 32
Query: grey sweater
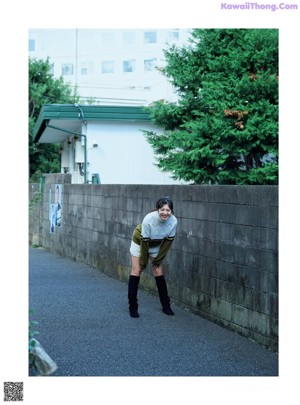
x: 155, y: 232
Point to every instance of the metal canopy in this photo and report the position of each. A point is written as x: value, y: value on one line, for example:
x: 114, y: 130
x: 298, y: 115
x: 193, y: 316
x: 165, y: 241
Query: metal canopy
x: 69, y: 118
x: 51, y: 135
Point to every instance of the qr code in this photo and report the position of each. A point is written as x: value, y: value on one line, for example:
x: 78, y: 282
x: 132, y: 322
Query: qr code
x: 13, y: 391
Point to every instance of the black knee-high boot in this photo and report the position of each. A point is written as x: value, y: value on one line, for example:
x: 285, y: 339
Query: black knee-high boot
x: 133, y: 285
x: 163, y: 294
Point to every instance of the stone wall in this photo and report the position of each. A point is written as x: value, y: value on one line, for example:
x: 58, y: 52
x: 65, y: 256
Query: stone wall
x: 223, y: 264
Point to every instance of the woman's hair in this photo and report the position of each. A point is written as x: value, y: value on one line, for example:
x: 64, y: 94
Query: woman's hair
x: 163, y: 201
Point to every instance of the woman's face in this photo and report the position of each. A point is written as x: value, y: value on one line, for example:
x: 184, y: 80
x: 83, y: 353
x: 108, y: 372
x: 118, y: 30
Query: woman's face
x: 164, y: 212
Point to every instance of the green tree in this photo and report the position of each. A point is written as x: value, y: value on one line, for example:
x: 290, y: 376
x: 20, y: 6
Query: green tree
x: 224, y: 129
x: 44, y: 89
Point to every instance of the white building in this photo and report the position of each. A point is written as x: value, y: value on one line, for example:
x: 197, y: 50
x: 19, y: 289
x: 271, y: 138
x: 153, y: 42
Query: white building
x: 110, y: 66
x: 102, y: 144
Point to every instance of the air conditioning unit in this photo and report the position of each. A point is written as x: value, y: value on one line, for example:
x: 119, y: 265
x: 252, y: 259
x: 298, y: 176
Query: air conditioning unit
x: 79, y: 153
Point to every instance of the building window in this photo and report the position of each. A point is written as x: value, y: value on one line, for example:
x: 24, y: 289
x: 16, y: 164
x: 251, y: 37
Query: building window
x: 173, y: 36
x: 108, y: 38
x: 67, y: 69
x: 128, y: 66
x: 31, y: 45
x: 86, y: 68
x: 149, y: 65
x: 107, y: 66
x: 150, y: 37
x: 128, y: 38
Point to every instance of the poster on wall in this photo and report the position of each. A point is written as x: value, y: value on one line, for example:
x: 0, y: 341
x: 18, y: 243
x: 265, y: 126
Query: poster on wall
x: 55, y: 208
x: 52, y: 218
x: 58, y: 191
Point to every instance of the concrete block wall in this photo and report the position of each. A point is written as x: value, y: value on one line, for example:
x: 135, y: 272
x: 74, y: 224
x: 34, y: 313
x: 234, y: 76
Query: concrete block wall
x: 35, y: 214
x: 223, y: 264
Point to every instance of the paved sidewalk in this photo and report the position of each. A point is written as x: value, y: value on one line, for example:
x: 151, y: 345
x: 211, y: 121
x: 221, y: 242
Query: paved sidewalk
x: 85, y: 327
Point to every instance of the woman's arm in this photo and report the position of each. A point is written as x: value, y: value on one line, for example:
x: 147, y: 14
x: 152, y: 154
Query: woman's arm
x: 144, y: 254
x: 164, y: 248
x: 145, y: 239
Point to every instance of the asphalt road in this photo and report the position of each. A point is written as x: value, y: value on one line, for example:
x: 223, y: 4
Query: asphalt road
x: 85, y: 327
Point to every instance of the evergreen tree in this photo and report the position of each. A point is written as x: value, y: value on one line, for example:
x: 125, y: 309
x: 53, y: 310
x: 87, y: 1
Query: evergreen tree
x: 224, y: 129
x: 44, y: 89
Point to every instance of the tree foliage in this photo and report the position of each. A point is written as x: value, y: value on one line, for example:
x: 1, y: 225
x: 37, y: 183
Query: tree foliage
x: 224, y: 129
x: 44, y: 89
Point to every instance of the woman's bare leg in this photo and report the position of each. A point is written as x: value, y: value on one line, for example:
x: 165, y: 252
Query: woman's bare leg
x: 135, y: 266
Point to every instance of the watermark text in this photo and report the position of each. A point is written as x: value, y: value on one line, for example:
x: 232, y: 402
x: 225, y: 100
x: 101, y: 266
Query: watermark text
x: 258, y: 6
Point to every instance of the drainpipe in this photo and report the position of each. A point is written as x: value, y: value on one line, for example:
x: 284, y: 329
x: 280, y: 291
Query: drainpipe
x: 74, y: 133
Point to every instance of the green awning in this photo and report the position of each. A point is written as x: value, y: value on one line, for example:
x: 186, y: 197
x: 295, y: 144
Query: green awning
x: 69, y: 117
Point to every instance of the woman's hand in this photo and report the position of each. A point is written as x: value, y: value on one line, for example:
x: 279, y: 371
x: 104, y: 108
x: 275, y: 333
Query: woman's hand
x: 157, y: 270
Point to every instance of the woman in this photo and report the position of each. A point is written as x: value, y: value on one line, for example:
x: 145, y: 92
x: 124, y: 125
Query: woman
x: 152, y: 239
